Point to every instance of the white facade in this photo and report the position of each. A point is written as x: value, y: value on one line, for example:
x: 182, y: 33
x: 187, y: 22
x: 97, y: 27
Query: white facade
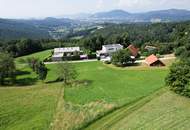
x: 109, y: 49
x: 67, y: 51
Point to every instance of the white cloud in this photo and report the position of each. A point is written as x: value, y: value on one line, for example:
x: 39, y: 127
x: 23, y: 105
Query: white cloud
x: 100, y: 4
x: 146, y: 5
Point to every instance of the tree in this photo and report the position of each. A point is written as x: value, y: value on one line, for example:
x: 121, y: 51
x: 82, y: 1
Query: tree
x: 178, y: 78
x: 7, y: 68
x: 121, y: 57
x: 67, y: 72
x: 32, y: 62
x: 41, y: 71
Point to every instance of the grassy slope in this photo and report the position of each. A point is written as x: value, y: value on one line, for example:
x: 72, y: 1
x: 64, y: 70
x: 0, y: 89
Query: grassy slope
x: 40, y: 55
x: 27, y: 108
x: 111, y: 85
x: 115, y: 117
x: 102, y: 84
x: 168, y: 111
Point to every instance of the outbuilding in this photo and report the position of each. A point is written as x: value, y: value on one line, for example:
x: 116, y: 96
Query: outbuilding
x: 152, y: 60
x: 59, y: 53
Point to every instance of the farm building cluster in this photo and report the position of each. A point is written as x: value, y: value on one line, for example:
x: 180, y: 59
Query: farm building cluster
x: 105, y: 54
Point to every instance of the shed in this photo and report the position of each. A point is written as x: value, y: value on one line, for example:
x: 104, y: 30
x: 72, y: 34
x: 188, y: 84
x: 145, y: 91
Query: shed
x: 152, y: 60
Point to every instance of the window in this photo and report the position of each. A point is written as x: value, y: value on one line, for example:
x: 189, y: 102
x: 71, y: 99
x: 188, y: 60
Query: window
x: 111, y: 49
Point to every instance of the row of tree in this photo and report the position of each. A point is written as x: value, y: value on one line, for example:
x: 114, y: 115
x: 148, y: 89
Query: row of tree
x: 179, y: 75
x: 67, y: 72
x: 163, y: 35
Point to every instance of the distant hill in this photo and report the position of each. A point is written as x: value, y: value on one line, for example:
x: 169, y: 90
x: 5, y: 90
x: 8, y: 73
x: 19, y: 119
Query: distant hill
x: 63, y: 27
x: 152, y: 16
x: 15, y: 29
x: 11, y: 29
x: 111, y: 15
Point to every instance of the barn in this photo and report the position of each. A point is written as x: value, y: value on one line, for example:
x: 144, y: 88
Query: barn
x: 152, y: 60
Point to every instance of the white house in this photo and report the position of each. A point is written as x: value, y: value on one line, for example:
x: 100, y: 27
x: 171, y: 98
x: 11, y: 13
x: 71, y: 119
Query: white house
x: 66, y: 51
x: 107, y: 50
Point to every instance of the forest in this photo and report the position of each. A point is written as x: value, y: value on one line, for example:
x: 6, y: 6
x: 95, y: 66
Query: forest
x: 164, y: 36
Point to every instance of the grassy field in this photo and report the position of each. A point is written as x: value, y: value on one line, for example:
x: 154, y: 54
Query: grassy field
x: 168, y: 111
x: 40, y: 55
x: 101, y: 89
x: 112, y: 85
x: 28, y: 108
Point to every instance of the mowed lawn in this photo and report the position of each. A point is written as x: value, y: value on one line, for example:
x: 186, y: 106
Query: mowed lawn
x: 33, y: 105
x: 166, y: 112
x: 40, y: 55
x: 28, y: 108
x: 111, y: 85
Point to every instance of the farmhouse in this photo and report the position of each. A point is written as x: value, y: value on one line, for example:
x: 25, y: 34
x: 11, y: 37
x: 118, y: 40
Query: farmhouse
x: 107, y: 50
x: 134, y: 51
x: 153, y: 61
x: 67, y: 51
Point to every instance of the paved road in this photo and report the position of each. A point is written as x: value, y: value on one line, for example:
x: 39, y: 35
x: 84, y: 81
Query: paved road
x: 82, y: 61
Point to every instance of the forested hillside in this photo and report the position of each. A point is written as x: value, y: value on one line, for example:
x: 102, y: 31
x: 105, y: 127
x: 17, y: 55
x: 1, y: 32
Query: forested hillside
x: 164, y: 36
x: 11, y: 30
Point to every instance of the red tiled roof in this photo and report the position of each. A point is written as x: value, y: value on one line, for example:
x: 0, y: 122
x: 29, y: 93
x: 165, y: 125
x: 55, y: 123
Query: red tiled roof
x: 151, y: 59
x: 134, y: 51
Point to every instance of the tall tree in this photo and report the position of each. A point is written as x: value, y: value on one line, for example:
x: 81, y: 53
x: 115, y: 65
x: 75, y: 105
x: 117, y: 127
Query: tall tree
x: 7, y: 68
x: 42, y: 71
x: 121, y: 57
x: 67, y: 72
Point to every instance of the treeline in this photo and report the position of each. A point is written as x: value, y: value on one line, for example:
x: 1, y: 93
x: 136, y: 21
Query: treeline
x: 164, y: 36
x: 16, y: 29
x: 161, y: 35
x: 178, y: 78
x: 27, y: 46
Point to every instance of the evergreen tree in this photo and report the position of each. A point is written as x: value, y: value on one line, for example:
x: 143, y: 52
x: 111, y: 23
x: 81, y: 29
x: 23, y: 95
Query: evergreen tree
x: 7, y: 68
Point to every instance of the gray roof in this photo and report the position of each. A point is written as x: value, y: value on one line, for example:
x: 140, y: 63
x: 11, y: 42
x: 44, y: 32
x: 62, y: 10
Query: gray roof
x: 66, y: 49
x: 113, y: 46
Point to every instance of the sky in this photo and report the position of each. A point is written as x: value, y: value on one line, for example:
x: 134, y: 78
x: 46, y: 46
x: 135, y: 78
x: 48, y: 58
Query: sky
x: 53, y: 8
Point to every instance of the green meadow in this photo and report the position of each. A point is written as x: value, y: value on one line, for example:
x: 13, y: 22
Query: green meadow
x: 101, y: 95
x: 40, y: 55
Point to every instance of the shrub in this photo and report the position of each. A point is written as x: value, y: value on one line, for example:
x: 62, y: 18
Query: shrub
x: 91, y: 56
x: 121, y: 58
x: 178, y: 78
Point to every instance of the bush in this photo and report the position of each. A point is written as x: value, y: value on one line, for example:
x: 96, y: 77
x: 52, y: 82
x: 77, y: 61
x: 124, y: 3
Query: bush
x: 121, y: 58
x: 107, y: 62
x: 98, y: 58
x: 178, y: 78
x: 91, y: 56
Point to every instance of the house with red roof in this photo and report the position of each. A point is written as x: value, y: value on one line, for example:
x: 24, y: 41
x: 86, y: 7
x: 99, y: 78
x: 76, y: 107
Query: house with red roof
x: 134, y: 51
x: 152, y: 60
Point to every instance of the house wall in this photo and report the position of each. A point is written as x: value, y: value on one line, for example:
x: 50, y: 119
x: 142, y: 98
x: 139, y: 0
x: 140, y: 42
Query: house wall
x: 157, y: 63
x: 111, y: 49
x: 57, y: 58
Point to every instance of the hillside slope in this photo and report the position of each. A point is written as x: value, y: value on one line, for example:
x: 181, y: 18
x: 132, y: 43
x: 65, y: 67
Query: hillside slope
x: 13, y: 29
x: 166, y: 111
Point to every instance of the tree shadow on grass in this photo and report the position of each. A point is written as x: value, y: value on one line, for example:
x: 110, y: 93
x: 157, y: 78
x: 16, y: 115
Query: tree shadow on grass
x: 76, y: 83
x: 26, y: 81
x: 132, y: 64
x: 20, y: 72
